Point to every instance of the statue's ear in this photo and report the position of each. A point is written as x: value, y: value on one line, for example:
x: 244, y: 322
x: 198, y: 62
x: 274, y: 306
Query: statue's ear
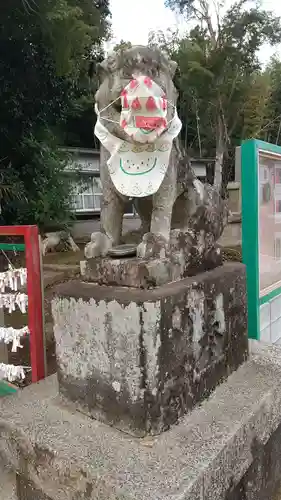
x: 108, y: 65
x: 173, y: 67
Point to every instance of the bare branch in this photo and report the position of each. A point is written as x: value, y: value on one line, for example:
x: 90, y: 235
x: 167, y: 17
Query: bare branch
x: 29, y: 5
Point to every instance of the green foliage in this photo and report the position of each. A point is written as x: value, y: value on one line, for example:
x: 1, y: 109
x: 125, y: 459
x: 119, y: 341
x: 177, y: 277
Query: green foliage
x: 45, y: 50
x: 168, y: 41
x: 73, y: 28
x: 256, y: 108
x: 224, y: 95
x: 272, y: 130
x: 122, y: 45
x: 43, y: 185
x: 184, y: 6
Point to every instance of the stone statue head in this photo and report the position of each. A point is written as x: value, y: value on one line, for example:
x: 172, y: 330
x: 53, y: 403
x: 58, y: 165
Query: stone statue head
x: 120, y: 105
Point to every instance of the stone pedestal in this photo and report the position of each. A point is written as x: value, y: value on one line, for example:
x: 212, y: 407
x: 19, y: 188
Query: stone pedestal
x: 139, y: 359
x: 187, y: 254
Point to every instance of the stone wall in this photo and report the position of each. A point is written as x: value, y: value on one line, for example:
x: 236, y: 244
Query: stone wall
x: 228, y: 448
x: 263, y: 479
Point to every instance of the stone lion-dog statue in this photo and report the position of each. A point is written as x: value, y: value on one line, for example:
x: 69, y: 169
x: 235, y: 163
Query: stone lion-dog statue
x: 141, y: 160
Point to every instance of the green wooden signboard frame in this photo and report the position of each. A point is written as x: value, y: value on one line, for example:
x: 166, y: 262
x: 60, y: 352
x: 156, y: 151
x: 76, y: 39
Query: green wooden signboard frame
x: 250, y: 151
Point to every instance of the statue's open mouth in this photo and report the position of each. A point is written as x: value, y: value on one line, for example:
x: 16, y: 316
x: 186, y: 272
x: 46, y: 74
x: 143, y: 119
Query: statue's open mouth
x: 148, y: 123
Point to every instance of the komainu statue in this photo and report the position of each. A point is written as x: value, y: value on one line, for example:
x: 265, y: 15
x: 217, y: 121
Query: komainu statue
x: 141, y: 160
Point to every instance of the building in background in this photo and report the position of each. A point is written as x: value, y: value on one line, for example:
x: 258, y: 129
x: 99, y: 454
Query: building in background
x: 87, y: 190
x: 86, y: 197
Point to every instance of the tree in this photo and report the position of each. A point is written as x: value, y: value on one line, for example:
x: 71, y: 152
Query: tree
x: 219, y: 62
x: 255, y: 112
x: 272, y: 131
x: 45, y: 48
x: 122, y: 45
x: 167, y: 41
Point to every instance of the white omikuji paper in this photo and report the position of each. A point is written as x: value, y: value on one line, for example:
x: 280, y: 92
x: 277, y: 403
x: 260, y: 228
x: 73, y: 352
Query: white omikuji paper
x: 10, y: 335
x: 13, y: 278
x: 9, y: 301
x: 11, y: 372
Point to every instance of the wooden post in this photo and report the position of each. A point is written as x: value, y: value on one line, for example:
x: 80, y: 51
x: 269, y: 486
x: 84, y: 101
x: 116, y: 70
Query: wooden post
x: 35, y: 316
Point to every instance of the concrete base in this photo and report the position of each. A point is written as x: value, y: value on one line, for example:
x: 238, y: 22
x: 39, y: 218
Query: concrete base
x: 228, y: 449
x: 141, y: 359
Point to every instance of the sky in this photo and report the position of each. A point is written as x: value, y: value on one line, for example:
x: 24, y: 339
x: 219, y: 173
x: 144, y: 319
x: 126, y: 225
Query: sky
x: 132, y: 20
x: 126, y: 15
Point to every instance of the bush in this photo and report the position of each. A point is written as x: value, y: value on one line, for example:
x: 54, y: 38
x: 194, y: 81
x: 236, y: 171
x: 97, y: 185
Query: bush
x: 43, y: 188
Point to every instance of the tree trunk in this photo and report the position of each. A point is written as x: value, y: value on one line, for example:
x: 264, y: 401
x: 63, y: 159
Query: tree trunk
x: 220, y: 149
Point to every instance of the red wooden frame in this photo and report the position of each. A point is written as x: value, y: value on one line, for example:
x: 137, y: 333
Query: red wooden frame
x: 34, y: 291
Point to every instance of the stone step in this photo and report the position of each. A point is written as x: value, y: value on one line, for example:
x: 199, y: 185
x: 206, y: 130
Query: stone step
x: 227, y: 449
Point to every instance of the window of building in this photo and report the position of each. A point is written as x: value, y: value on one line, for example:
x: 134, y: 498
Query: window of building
x: 277, y: 175
x: 277, y: 247
x: 264, y: 176
x: 264, y: 185
x: 278, y: 206
x: 86, y: 197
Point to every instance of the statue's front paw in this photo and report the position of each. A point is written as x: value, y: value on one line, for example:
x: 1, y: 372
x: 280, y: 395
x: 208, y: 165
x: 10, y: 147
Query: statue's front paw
x: 99, y: 246
x: 153, y: 246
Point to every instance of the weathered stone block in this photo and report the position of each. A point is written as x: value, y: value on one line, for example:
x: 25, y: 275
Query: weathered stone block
x: 26, y: 490
x: 135, y: 273
x: 187, y: 254
x: 228, y: 448
x: 140, y: 359
x: 7, y: 481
